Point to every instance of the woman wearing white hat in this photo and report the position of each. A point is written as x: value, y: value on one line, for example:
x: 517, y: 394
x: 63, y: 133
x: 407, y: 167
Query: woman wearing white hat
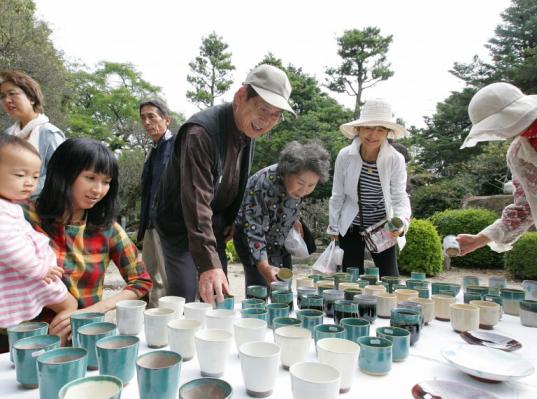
x: 369, y: 186
x: 501, y: 111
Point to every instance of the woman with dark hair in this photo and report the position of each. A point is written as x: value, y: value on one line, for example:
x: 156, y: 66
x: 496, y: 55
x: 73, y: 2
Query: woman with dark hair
x: 22, y: 99
x: 271, y: 207
x: 77, y: 210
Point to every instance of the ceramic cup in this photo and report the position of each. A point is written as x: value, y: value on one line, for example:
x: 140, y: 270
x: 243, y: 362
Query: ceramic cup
x: 259, y: 365
x: 116, y: 356
x: 441, y: 306
x: 158, y: 374
x: 400, y: 341
x: 94, y: 387
x: 196, y: 311
x: 253, y: 303
x: 212, y: 348
x: 346, y: 285
x: 477, y: 289
x: 312, y: 301
x: 375, y: 356
x: 355, y: 328
x: 57, y: 367
x: 130, y: 316
x: 282, y: 296
x: 410, y: 320
x: 328, y: 331
x: 156, y: 326
x: 372, y: 271
x: 489, y: 313
x: 385, y: 303
x: 257, y: 291
x: 354, y: 272
x: 181, y: 337
x: 310, y: 318
x: 305, y: 282
x: 469, y: 280
x: 89, y: 334
x: 294, y: 343
x: 314, y: 381
x: 418, y: 276
x: 511, y: 300
x: 464, y: 317
x: 315, y: 277
x: 277, y: 310
x: 530, y: 289
x: 284, y: 322
x: 255, y: 313
x: 25, y: 352
x: 451, y: 246
x: 227, y: 303
x: 344, y: 308
x: 80, y: 319
x: 301, y: 291
x: 342, y: 355
x: 204, y: 387
x: 280, y: 286
x: 220, y: 319
x: 496, y: 283
x: 427, y: 308
x: 423, y: 292
x: 177, y: 303
x: 350, y: 293
x: 24, y: 330
x: 528, y: 313
x: 415, y: 284
x: 472, y: 296
x: 373, y: 289
x: 249, y: 330
x: 404, y: 295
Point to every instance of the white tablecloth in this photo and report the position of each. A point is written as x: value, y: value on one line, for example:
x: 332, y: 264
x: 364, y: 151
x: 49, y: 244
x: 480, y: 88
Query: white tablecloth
x: 424, y: 363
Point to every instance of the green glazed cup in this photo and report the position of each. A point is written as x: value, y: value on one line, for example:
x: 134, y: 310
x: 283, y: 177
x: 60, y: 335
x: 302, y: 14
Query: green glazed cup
x: 400, y: 341
x: 285, y: 297
x: 253, y: 303
x: 57, y: 367
x: 423, y: 292
x: 285, y: 322
x: 24, y: 330
x: 494, y: 298
x: 257, y: 291
x: 227, y: 303
x: 351, y: 292
x: 25, y: 352
x: 255, y: 313
x: 277, y: 310
x: 477, y: 289
x: 158, y: 374
x: 472, y: 296
x: 511, y: 300
x: 310, y: 318
x: 418, y: 276
x: 89, y: 334
x: 375, y: 356
x: 80, y: 319
x: 362, y: 283
x: 372, y: 271
x: 469, y: 281
x: 371, y: 278
x: 100, y: 386
x: 413, y: 284
x: 312, y: 301
x: 315, y: 277
x: 116, y: 356
x: 355, y: 328
x: 328, y: 331
x: 354, y: 272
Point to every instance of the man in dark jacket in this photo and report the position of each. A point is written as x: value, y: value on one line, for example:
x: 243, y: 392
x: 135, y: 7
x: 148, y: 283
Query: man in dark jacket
x: 203, y: 184
x: 155, y: 117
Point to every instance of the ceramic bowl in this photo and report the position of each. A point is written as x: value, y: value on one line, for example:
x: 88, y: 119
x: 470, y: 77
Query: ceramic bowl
x: 528, y: 313
x: 210, y: 388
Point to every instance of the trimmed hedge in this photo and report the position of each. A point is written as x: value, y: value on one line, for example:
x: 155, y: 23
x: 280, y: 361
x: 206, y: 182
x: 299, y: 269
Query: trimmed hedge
x: 521, y: 261
x: 469, y: 221
x: 423, y: 249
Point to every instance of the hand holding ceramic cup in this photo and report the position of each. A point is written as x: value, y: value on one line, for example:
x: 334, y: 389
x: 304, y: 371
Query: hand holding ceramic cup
x: 314, y: 381
x: 177, y: 303
x: 294, y: 343
x: 259, y: 364
x: 156, y: 326
x: 342, y: 355
x: 130, y: 316
x: 213, y: 347
x: 158, y: 374
x: 116, y: 356
x: 181, y: 337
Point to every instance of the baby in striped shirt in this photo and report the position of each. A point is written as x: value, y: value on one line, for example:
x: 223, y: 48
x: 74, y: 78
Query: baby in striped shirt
x: 30, y: 278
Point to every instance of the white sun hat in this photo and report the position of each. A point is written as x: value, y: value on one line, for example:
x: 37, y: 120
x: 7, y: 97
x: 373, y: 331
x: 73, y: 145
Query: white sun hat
x: 377, y: 112
x: 499, y: 111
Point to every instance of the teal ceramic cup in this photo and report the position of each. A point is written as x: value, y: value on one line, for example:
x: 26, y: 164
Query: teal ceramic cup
x: 158, y: 374
x: 80, y: 319
x: 89, y: 334
x: 206, y: 387
x: 391, y: 280
x: 354, y: 272
x: 511, y: 300
x: 400, y: 341
x: 285, y: 322
x: 349, y: 293
x: 355, y: 328
x: 469, y: 281
x: 94, y: 387
x: 410, y: 320
x: 116, y: 356
x: 418, y: 276
x: 372, y: 271
x: 315, y: 277
x: 375, y: 355
x: 328, y: 331
x: 423, y: 292
x: 344, y: 308
x: 25, y: 352
x: 227, y: 303
x: 413, y: 284
x: 280, y: 286
x: 477, y: 289
x: 277, y: 310
x: 362, y: 283
x: 496, y: 283
x: 494, y: 298
x: 312, y: 301
x: 281, y: 296
x: 257, y: 291
x: 253, y: 303
x: 472, y: 296
x: 341, y: 278
x: 301, y: 291
x: 24, y: 330
x: 59, y: 366
x: 255, y: 313
x: 310, y: 318
x: 370, y: 278
x: 399, y: 287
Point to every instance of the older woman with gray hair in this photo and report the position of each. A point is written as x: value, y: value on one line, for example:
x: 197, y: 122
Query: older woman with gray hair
x: 271, y: 207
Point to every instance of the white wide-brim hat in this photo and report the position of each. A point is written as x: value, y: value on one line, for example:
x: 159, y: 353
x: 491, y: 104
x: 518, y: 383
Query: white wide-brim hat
x: 377, y: 112
x: 499, y: 111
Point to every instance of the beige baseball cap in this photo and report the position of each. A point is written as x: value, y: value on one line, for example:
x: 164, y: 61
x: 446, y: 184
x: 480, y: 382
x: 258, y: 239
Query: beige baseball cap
x: 272, y: 85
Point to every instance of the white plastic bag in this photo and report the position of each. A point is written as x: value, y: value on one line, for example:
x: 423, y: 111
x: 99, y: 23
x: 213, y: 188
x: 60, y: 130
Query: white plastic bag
x: 329, y: 260
x: 295, y: 244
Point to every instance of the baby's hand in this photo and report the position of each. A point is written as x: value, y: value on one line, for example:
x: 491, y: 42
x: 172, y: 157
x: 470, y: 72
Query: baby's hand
x: 54, y: 274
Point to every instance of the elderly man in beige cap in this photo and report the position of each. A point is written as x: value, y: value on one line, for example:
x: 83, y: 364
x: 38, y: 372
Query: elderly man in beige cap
x: 203, y: 184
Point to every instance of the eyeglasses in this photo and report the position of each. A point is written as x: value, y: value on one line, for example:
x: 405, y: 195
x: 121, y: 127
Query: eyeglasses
x: 267, y: 113
x: 10, y: 94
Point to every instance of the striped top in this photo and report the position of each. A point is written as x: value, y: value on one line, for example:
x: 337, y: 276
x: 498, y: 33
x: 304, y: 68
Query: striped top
x: 373, y: 207
x: 25, y: 258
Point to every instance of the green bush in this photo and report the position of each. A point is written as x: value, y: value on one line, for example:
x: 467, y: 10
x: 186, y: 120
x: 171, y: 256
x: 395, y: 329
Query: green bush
x: 470, y: 221
x: 231, y: 254
x: 430, y: 198
x: 423, y: 249
x: 521, y: 261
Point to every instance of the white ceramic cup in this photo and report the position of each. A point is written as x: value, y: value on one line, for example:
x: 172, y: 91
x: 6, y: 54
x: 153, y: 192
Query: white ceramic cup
x: 220, y: 319
x: 385, y: 303
x: 130, y: 316
x: 464, y: 317
x: 441, y: 306
x: 374, y: 289
x: 427, y: 308
x: 305, y: 282
x: 177, y: 303
x: 294, y: 343
x: 248, y: 330
x: 311, y: 380
x: 196, y: 311
x: 404, y: 294
x: 156, y: 326
x: 259, y: 364
x: 181, y: 337
x: 212, y: 348
x: 489, y: 313
x: 341, y: 354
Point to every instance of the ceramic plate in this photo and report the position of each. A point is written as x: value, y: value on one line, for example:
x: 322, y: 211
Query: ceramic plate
x: 491, y: 340
x: 438, y: 389
x: 486, y: 363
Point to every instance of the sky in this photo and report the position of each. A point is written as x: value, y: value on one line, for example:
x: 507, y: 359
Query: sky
x: 160, y: 38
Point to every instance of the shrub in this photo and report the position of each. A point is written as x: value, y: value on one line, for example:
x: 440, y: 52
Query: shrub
x: 470, y: 221
x: 423, y: 249
x: 231, y: 254
x: 428, y: 199
x: 521, y: 261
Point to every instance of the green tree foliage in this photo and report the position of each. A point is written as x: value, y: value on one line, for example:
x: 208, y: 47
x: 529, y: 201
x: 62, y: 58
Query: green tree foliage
x: 25, y: 45
x: 423, y: 250
x: 364, y: 63
x: 211, y: 71
x: 521, y: 261
x: 430, y: 198
x: 130, y: 169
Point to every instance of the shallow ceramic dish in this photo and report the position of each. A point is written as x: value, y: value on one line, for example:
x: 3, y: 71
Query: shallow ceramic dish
x: 491, y: 340
x: 209, y: 388
x: 487, y: 364
x: 439, y: 389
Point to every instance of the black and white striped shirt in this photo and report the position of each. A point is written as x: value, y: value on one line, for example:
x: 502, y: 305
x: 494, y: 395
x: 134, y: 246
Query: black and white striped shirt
x: 372, y: 206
